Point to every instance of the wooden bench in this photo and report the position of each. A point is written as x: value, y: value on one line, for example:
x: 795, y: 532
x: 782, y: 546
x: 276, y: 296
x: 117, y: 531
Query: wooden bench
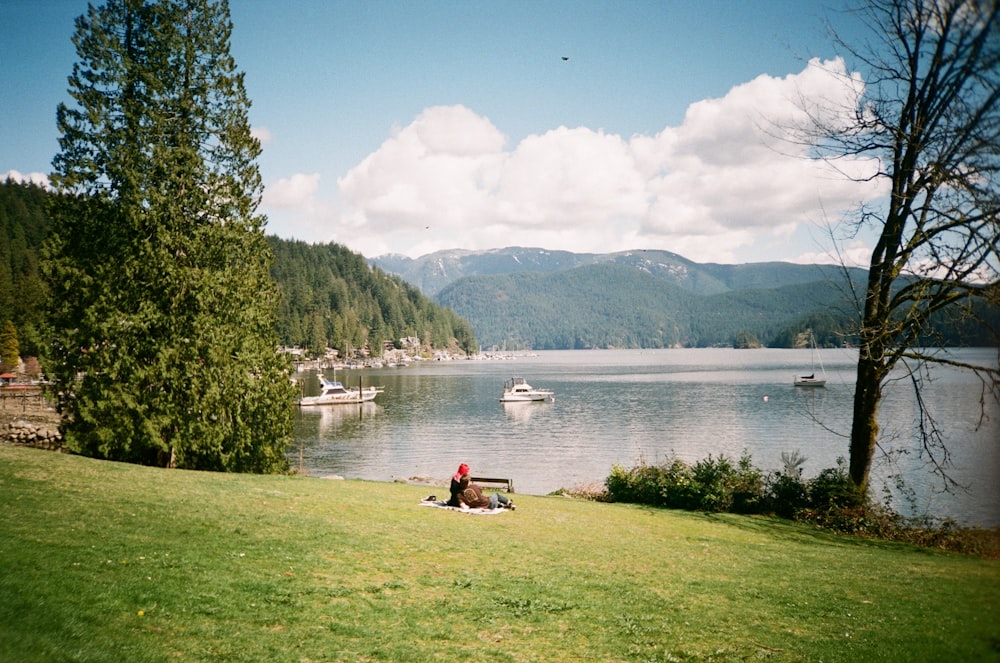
x: 508, y: 484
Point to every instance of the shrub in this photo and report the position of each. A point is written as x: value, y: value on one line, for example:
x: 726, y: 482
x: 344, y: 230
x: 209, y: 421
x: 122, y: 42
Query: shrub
x: 678, y: 487
x: 787, y: 494
x: 650, y: 484
x: 619, y: 485
x: 832, y: 488
x: 640, y: 485
x: 747, y: 486
x: 714, y: 488
x: 829, y: 500
x: 712, y: 484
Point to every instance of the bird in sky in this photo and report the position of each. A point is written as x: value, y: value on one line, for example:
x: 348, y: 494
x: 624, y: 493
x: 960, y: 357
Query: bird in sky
x: 565, y: 58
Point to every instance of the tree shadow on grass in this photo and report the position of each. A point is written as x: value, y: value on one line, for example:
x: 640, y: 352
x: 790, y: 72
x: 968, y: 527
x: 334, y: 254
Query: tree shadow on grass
x: 797, y: 532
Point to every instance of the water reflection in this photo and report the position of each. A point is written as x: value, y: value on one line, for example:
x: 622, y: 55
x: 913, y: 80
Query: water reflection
x: 333, y: 417
x: 523, y: 412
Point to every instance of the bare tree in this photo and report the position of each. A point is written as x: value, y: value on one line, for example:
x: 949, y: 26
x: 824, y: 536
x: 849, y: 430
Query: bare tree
x: 929, y: 113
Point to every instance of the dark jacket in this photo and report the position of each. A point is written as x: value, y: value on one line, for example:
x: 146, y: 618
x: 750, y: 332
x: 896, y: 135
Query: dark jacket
x: 456, y: 489
x: 474, y: 498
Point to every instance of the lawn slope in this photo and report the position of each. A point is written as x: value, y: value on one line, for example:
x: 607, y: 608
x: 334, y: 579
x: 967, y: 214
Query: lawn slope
x: 109, y: 562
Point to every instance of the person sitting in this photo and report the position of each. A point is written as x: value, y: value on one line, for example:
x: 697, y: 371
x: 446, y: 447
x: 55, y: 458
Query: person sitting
x: 456, y: 487
x: 472, y: 496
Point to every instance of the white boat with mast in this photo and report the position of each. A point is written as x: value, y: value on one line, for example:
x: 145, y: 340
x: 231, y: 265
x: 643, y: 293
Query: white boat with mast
x: 812, y: 380
x: 333, y: 392
x: 517, y: 390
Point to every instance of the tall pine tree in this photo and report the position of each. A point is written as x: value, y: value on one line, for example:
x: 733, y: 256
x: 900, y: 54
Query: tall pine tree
x: 164, y: 312
x: 10, y: 355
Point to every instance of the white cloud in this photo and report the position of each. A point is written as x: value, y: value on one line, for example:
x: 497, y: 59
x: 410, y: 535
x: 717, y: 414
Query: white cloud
x: 295, y: 209
x: 40, y: 179
x: 437, y: 172
x: 728, y: 168
x: 854, y: 253
x: 569, y: 179
x: 297, y: 192
x: 706, y: 189
x: 263, y: 134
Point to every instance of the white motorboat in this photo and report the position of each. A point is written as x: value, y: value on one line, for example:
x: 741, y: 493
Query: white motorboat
x: 334, y: 393
x: 812, y: 380
x: 517, y: 390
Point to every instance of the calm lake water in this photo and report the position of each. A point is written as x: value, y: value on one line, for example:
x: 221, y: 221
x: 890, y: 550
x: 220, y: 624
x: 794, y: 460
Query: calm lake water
x: 631, y: 406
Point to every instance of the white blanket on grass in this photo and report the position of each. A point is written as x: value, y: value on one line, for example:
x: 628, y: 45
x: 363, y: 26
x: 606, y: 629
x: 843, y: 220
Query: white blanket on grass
x: 440, y: 504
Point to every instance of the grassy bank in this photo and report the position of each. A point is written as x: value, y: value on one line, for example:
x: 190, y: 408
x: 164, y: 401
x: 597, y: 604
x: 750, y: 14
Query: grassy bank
x: 109, y: 562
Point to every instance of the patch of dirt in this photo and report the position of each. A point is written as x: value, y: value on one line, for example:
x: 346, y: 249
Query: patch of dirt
x: 27, y: 404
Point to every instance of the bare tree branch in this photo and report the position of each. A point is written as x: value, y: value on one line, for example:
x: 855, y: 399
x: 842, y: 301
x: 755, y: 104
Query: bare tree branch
x: 929, y: 112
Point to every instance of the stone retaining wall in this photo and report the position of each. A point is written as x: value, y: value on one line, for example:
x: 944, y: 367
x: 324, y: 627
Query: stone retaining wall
x: 31, y: 435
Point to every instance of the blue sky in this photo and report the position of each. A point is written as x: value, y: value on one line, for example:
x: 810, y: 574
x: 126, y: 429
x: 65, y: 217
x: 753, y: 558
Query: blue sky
x: 409, y: 127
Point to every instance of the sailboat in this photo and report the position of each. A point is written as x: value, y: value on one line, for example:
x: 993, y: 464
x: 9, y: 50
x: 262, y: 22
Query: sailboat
x: 812, y: 380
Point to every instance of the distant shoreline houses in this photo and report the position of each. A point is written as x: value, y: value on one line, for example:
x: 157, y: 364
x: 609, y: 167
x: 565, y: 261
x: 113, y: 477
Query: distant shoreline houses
x: 394, y: 355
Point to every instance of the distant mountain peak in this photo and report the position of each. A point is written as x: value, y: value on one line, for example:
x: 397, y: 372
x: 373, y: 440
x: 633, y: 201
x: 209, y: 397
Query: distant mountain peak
x: 433, y: 272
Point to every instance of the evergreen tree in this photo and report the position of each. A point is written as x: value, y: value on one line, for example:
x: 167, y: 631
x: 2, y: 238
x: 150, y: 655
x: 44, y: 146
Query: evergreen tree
x: 317, y: 334
x: 162, y: 301
x: 23, y: 227
x: 10, y: 354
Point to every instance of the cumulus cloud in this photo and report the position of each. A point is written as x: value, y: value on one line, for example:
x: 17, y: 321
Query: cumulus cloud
x: 263, y: 134
x: 439, y: 171
x: 705, y: 189
x: 297, y: 192
x: 570, y: 178
x: 40, y: 179
x: 733, y: 165
x: 295, y: 206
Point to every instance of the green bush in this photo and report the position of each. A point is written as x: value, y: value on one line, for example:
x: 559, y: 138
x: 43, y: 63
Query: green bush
x: 828, y: 500
x: 639, y: 485
x: 678, y: 487
x: 832, y: 488
x: 618, y: 484
x: 712, y: 484
x: 787, y: 494
x: 712, y: 478
x: 747, y: 487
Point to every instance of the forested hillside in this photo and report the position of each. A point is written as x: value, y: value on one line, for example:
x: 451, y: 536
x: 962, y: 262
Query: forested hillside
x: 612, y: 305
x: 23, y: 226
x: 530, y: 297
x: 329, y: 295
x: 628, y: 303
x: 586, y: 307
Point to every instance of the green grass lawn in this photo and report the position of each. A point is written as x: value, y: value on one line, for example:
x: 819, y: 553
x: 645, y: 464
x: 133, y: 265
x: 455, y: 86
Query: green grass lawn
x: 110, y: 562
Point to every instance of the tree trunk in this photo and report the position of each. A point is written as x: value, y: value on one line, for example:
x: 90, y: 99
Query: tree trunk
x: 864, y: 428
x: 930, y: 114
x: 872, y: 364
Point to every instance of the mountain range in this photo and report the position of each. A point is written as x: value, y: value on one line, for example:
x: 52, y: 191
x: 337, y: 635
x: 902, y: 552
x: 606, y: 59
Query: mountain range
x: 531, y: 297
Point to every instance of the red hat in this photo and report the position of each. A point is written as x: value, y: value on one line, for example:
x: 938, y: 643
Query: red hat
x: 463, y: 469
